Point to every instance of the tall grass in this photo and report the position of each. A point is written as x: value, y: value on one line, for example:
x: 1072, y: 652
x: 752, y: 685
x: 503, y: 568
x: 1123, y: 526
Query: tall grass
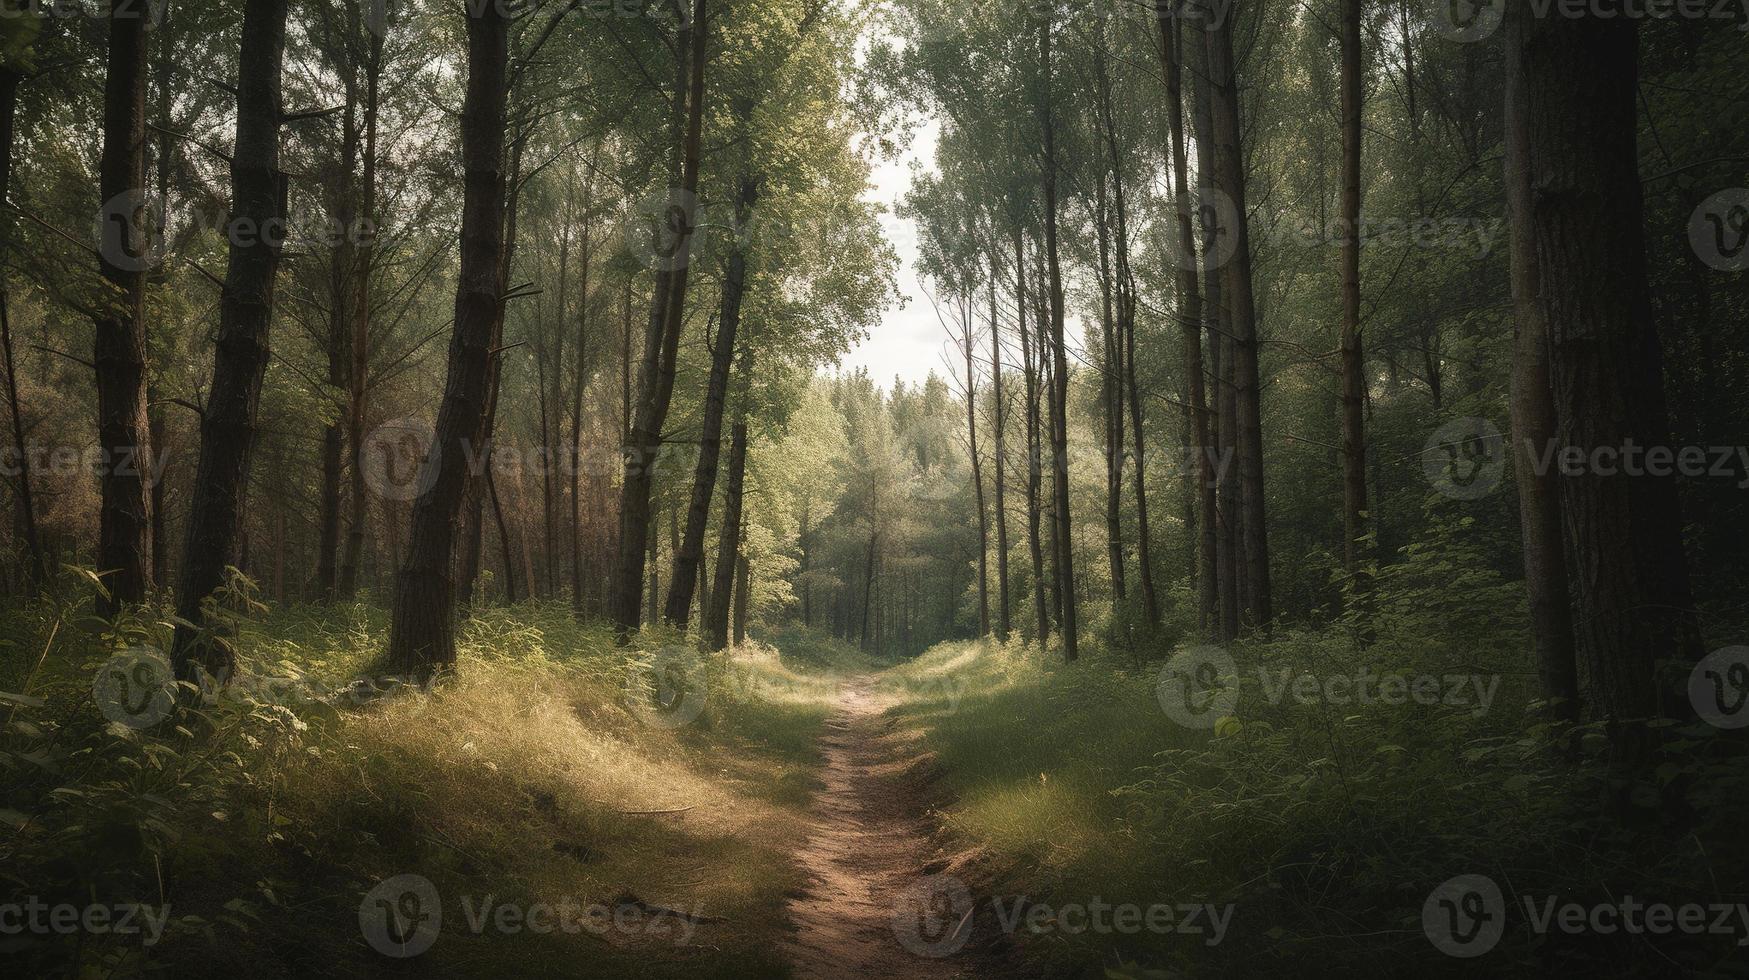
x: 545, y: 770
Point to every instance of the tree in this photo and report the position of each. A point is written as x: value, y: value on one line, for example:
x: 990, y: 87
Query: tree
x: 1190, y: 318
x: 1228, y: 178
x: 422, y: 634
x: 1063, y: 526
x: 227, y: 426
x: 119, y: 349
x: 1353, y: 373
x: 662, y: 336
x: 1573, y: 98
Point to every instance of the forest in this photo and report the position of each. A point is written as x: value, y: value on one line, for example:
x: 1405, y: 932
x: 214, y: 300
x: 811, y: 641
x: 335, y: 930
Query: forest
x: 874, y: 488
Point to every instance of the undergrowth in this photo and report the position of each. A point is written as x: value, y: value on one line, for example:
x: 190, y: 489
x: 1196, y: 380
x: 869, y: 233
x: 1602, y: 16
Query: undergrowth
x: 1324, y: 822
x: 651, y: 788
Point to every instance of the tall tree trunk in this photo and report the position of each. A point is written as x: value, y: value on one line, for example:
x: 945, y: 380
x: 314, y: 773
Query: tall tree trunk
x: 977, y: 474
x: 1125, y: 387
x: 1033, y: 463
x: 358, y: 371
x: 998, y: 424
x: 729, y: 545
x: 1533, y: 426
x: 1353, y: 362
x: 585, y: 259
x: 422, y: 632
x: 1060, y: 364
x: 341, y: 273
x: 1575, y: 123
x: 1218, y: 326
x: 1110, y: 391
x: 743, y: 576
x: 661, y: 345
x: 9, y: 80
x: 227, y: 427
x: 1229, y: 179
x: 710, y: 438
x: 1190, y: 322
x: 119, y: 348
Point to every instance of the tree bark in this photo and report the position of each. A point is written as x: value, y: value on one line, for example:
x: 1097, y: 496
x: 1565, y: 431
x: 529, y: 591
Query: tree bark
x: 1533, y: 427
x: 358, y: 371
x: 1060, y: 379
x: 227, y: 427
x: 9, y: 80
x: 729, y: 545
x: 341, y: 273
x: 1229, y: 179
x: 1574, y: 96
x: 998, y: 424
x: 119, y: 348
x: 422, y: 632
x: 1190, y: 321
x: 1353, y: 361
x: 661, y: 345
x: 1034, y: 465
x: 585, y: 259
x: 710, y: 440
x: 977, y: 476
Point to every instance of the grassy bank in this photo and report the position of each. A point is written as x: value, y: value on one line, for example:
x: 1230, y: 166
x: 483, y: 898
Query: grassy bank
x: 1319, y: 824
x: 647, y: 836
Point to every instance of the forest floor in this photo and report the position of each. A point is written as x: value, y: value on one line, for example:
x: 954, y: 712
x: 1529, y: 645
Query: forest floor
x: 799, y: 808
x: 868, y: 910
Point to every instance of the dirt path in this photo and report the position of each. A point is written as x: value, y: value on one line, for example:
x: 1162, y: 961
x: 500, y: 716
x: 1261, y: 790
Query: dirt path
x: 870, y: 909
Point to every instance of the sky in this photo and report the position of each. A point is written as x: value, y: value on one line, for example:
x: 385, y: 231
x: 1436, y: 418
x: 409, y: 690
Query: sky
x: 909, y: 340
